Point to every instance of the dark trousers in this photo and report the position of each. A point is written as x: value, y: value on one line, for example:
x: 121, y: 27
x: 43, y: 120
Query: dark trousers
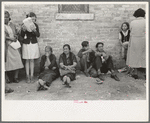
x: 48, y: 76
x: 104, y: 67
x: 84, y: 64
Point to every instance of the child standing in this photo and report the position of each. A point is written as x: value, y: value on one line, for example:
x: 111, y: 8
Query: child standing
x: 124, y: 37
x: 30, y: 49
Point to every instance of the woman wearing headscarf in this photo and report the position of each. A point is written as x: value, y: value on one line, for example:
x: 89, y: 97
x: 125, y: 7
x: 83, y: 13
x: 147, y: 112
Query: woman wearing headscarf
x: 13, y: 60
x: 48, y: 69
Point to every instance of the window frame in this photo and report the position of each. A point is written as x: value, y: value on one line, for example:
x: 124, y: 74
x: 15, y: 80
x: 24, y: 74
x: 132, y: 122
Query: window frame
x: 86, y: 9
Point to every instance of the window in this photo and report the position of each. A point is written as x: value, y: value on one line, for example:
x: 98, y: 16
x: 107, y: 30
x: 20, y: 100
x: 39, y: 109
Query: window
x: 74, y: 12
x: 73, y: 8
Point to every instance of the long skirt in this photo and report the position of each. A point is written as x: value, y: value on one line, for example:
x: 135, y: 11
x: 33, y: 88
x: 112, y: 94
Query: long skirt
x: 48, y: 76
x: 13, y: 59
x: 136, y: 56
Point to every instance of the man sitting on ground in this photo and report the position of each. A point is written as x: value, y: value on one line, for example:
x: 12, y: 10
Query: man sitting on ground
x: 103, y: 63
x: 87, y: 57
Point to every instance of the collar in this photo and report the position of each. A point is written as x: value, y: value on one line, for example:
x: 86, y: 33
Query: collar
x: 8, y: 23
x: 125, y: 33
x: 66, y: 55
x: 140, y: 18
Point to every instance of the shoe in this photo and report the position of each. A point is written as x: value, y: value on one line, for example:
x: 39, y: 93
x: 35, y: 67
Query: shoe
x: 63, y: 83
x: 9, y: 90
x: 135, y: 76
x: 16, y: 80
x: 101, y: 77
x: 87, y: 74
x: 68, y: 85
x: 98, y: 81
x: 28, y: 79
x: 8, y: 81
x: 32, y: 79
x: 115, y: 77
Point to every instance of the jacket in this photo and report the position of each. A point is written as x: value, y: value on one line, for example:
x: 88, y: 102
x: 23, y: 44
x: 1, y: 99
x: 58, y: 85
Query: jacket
x: 52, y: 59
x: 30, y: 36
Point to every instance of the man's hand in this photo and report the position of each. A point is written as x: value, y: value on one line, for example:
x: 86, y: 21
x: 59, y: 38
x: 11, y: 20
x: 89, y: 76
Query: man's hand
x: 103, y: 60
x: 89, y: 50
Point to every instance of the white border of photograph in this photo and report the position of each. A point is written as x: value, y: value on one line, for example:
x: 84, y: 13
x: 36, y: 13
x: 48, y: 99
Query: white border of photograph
x: 112, y: 110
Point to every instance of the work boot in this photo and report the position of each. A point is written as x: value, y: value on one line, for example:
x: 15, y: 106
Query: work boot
x: 114, y: 76
x: 87, y: 74
x: 101, y: 77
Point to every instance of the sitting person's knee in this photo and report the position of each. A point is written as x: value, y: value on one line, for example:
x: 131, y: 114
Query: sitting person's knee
x: 84, y: 56
x: 94, y: 75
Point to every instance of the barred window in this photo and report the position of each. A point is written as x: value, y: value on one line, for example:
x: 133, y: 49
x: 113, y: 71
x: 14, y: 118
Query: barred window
x: 73, y: 8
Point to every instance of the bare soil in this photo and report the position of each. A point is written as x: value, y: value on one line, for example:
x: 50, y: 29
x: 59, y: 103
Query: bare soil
x: 84, y: 88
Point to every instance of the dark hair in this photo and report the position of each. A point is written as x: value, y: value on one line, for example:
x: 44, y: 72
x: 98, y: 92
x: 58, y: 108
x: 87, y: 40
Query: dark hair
x: 7, y: 13
x: 99, y: 43
x: 31, y: 14
x: 50, y: 48
x: 85, y: 43
x: 67, y: 46
x: 126, y: 24
x: 139, y: 13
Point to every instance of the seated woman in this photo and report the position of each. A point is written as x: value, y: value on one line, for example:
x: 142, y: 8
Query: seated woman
x: 67, y: 62
x: 48, y: 69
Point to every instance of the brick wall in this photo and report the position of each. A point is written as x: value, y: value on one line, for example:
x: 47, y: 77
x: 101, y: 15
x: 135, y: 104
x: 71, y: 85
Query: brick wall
x: 105, y: 27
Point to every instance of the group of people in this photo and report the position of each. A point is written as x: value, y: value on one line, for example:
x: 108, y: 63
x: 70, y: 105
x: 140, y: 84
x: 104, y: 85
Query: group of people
x: 93, y: 62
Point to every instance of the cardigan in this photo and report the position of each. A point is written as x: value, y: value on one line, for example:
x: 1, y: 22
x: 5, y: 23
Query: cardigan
x: 52, y: 59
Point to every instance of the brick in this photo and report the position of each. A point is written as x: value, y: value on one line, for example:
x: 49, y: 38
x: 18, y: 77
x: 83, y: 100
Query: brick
x: 104, y: 27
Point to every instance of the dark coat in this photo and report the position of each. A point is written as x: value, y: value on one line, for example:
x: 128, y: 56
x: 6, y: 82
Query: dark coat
x: 52, y: 59
x: 31, y: 36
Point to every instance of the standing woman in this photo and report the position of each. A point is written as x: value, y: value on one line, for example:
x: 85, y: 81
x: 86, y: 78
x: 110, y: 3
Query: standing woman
x: 136, y: 57
x: 30, y: 48
x: 13, y: 60
x: 67, y: 62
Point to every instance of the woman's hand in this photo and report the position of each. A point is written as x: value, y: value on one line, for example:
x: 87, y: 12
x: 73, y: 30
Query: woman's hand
x: 14, y: 39
x: 47, y: 54
x: 33, y: 28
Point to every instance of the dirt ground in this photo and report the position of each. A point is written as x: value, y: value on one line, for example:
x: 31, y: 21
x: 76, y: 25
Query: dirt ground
x: 84, y: 88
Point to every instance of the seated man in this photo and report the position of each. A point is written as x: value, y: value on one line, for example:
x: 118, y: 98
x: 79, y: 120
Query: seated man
x: 87, y: 57
x: 103, y: 63
x: 48, y: 69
